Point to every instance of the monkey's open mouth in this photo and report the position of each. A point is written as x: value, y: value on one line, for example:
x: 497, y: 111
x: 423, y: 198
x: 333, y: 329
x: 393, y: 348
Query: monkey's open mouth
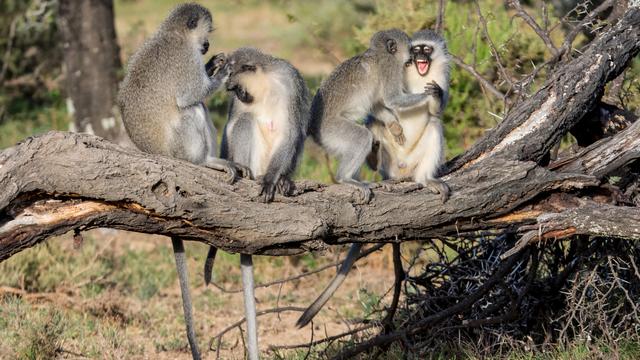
x: 422, y: 65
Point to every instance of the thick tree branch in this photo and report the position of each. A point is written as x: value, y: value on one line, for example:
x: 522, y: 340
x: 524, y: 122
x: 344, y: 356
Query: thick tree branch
x: 571, y: 92
x: 61, y: 181
x: 589, y: 219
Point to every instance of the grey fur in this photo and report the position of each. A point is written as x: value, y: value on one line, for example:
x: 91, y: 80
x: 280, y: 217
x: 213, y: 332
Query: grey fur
x: 371, y: 80
x: 162, y: 104
x: 162, y: 95
x: 241, y: 127
x: 270, y: 106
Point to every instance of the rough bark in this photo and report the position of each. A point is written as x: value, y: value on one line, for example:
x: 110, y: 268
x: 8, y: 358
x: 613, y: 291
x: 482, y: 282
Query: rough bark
x: 91, y: 59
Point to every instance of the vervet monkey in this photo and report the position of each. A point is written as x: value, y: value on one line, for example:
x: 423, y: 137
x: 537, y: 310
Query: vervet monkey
x: 422, y: 153
x: 372, y: 82
x: 161, y: 99
x: 267, y: 126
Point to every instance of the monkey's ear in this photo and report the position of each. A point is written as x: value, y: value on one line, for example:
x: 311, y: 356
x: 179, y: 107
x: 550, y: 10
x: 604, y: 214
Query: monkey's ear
x: 392, y: 46
x: 192, y: 23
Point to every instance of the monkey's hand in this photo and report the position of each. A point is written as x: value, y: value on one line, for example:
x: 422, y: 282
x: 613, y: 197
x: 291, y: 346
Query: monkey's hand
x: 396, y: 130
x: 215, y: 64
x: 434, y: 90
x: 438, y: 186
x: 268, y: 188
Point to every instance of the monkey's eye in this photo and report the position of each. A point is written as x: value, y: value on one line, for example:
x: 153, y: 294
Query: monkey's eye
x: 192, y: 22
x: 247, y: 67
x: 416, y: 50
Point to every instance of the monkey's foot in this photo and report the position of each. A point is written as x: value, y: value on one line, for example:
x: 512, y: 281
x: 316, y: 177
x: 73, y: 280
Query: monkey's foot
x: 365, y: 190
x: 268, y: 188
x: 286, y: 187
x: 223, y: 165
x: 438, y: 186
x: 243, y: 171
x: 396, y: 130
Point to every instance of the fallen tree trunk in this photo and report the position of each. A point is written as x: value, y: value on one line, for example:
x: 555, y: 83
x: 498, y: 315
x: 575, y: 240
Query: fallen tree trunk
x: 61, y: 182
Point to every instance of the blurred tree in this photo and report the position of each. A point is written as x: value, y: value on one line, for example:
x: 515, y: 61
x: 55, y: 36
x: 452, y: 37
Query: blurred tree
x: 91, y: 59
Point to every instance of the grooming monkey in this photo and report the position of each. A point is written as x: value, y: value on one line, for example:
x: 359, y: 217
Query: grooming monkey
x: 161, y: 99
x: 372, y: 82
x: 267, y: 126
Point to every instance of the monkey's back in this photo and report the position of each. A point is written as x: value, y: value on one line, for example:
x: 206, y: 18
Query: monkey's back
x: 148, y: 93
x: 348, y: 94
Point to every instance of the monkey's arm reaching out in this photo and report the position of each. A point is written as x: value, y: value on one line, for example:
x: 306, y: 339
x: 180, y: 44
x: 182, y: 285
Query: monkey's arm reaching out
x: 405, y: 102
x: 200, y: 86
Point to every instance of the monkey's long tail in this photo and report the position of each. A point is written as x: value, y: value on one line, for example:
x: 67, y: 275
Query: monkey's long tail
x: 314, y: 308
x: 208, y: 264
x: 181, y: 267
x: 246, y: 265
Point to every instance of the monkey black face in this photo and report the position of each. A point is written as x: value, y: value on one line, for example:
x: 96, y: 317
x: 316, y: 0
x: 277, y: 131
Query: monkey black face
x: 205, y: 47
x: 421, y: 56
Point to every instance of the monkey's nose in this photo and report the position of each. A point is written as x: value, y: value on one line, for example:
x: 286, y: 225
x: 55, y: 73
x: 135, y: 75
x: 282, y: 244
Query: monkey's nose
x: 205, y: 47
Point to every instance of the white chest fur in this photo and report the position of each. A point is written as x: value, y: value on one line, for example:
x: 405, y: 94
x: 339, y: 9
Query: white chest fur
x: 271, y: 97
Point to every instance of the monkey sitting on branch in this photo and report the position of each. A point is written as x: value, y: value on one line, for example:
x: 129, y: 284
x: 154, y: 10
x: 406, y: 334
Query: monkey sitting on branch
x: 372, y: 82
x: 162, y: 103
x: 267, y: 126
x: 422, y: 154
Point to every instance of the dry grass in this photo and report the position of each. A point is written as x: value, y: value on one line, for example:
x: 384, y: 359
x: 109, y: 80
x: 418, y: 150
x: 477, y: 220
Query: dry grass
x: 118, y: 297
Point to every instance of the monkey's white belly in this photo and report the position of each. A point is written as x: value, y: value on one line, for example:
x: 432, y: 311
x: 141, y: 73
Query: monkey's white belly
x: 269, y: 131
x: 405, y: 162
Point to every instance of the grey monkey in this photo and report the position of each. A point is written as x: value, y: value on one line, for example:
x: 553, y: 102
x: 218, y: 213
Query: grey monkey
x: 267, y: 126
x: 372, y: 82
x: 161, y: 100
x: 422, y: 154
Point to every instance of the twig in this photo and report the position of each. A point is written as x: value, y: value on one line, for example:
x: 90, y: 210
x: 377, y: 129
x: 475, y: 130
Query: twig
x: 493, y: 47
x: 568, y: 41
x: 381, y: 340
x: 300, y: 276
x: 7, y: 53
x: 440, y: 19
x: 544, y: 35
x: 486, y: 84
